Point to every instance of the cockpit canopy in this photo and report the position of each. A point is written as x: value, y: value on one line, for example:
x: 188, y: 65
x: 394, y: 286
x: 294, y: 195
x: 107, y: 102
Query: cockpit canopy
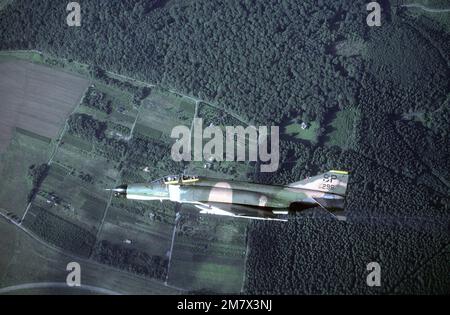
x: 178, y: 179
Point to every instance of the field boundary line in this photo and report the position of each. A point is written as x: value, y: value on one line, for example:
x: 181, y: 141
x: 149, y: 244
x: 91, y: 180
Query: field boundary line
x: 177, y: 219
x: 82, y: 259
x: 147, y: 84
x: 58, y: 143
x: 119, y: 176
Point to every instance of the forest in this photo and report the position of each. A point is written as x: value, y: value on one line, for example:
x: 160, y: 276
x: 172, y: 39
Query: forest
x: 269, y: 63
x: 37, y: 175
x: 130, y: 259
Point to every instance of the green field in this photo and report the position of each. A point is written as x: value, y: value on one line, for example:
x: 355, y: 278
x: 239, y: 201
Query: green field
x: 118, y: 97
x: 70, y: 206
x: 59, y: 232
x: 15, y: 185
x: 76, y: 142
x: 21, y: 55
x: 123, y: 112
x: 148, y: 131
x: 294, y: 129
x: 37, y: 57
x: 98, y: 167
x: 343, y: 128
x: 162, y: 111
x: 68, y: 196
x: 209, y: 253
x: 177, y: 104
x: 27, y: 261
x: 33, y: 135
x: 149, y: 232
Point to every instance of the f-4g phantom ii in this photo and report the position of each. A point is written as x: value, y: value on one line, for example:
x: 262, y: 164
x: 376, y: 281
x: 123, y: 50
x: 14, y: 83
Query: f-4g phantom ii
x: 243, y: 199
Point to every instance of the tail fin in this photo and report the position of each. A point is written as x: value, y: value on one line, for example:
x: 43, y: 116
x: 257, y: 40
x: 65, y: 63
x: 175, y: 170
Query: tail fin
x: 333, y: 182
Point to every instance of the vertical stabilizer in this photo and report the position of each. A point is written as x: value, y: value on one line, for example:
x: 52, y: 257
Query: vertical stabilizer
x: 333, y: 182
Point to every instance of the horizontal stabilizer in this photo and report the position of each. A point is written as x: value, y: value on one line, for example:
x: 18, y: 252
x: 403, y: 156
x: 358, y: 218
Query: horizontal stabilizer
x: 238, y: 211
x: 330, y: 204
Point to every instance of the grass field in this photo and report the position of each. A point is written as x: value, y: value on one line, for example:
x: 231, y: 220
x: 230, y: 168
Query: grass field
x: 123, y: 112
x: 67, y: 210
x: 36, y: 98
x: 82, y: 202
x: 162, y: 111
x: 32, y: 135
x: 175, y: 103
x: 77, y: 142
x: 8, y: 245
x: 343, y: 128
x: 25, y: 55
x: 15, y: 186
x: 59, y: 232
x: 70, y: 206
x: 98, y: 167
x: 148, y: 131
x: 145, y: 233
x: 27, y: 261
x: 294, y: 129
x: 69, y: 66
x: 209, y: 253
x: 119, y: 98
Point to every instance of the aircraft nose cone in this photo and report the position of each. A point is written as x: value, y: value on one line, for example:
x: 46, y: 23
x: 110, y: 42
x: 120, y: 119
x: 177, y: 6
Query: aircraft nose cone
x: 120, y: 191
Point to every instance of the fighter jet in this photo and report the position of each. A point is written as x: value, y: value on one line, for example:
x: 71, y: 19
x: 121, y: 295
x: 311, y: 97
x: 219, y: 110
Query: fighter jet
x: 244, y: 199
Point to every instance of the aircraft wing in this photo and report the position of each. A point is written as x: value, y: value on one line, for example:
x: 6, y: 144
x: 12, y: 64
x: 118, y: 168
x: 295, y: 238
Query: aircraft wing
x: 237, y: 210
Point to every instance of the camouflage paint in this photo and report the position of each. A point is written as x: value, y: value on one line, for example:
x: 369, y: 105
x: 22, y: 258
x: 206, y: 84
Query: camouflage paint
x: 318, y: 190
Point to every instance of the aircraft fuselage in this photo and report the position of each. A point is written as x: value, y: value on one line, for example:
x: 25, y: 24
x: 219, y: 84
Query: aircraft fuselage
x: 242, y: 196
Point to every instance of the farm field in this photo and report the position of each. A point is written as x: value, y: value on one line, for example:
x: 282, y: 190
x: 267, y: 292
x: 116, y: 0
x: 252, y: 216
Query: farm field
x: 120, y: 227
x: 142, y: 242
x: 15, y: 185
x: 162, y: 111
x: 72, y: 200
x: 45, y: 264
x: 65, y: 65
x: 8, y: 245
x: 209, y: 253
x: 78, y: 161
x: 71, y: 210
x: 376, y: 100
x: 36, y: 98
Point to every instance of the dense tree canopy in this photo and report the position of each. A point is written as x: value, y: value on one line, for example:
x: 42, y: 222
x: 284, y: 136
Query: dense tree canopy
x: 269, y: 63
